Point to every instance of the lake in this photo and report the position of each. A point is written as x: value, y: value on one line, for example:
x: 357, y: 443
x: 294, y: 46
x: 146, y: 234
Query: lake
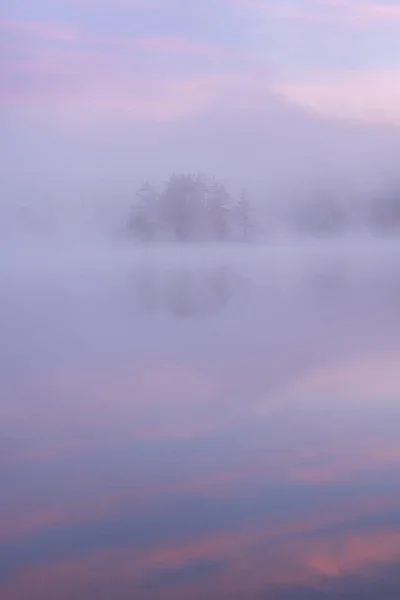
x: 217, y: 423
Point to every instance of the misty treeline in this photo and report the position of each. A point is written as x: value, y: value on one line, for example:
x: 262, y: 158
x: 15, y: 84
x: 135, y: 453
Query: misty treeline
x: 326, y: 214
x: 199, y: 208
x: 189, y: 208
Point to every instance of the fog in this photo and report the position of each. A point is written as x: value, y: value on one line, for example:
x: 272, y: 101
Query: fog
x: 64, y: 177
x: 128, y: 367
x: 272, y: 309
x: 178, y: 412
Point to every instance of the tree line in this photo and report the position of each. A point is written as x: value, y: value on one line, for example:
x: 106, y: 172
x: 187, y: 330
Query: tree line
x: 191, y: 208
x: 199, y: 208
x: 328, y: 215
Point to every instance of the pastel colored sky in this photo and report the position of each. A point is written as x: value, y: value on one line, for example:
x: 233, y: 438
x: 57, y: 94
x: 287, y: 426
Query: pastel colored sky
x: 97, y: 96
x: 165, y: 59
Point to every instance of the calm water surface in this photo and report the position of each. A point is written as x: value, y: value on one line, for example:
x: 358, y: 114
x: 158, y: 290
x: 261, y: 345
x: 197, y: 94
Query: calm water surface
x: 219, y: 424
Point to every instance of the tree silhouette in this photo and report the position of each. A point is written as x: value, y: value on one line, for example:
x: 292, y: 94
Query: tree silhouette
x: 244, y: 218
x: 190, y: 208
x: 218, y: 205
x: 144, y: 222
x: 177, y: 206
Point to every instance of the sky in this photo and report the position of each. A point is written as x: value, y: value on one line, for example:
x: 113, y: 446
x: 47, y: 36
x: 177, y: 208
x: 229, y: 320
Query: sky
x: 164, y: 59
x: 96, y: 94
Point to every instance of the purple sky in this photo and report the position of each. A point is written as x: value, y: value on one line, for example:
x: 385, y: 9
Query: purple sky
x: 164, y: 59
x: 100, y: 93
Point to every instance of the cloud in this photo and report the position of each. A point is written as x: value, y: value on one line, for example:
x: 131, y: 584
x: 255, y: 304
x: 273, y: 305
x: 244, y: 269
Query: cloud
x: 366, y: 11
x: 364, y: 380
x: 88, y: 502
x: 340, y: 12
x: 47, y: 30
x: 310, y: 552
x: 369, y: 96
x: 208, y: 97
x: 88, y: 76
x: 156, y: 77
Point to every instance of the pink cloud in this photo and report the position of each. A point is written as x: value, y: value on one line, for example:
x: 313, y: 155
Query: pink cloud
x: 61, y: 439
x: 366, y: 11
x: 112, y: 3
x: 341, y: 12
x: 145, y: 77
x: 300, y: 560
x: 45, y: 30
x: 153, y: 44
x: 369, y: 96
x: 366, y: 377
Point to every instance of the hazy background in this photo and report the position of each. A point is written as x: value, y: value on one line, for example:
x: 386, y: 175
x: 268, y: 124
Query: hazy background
x: 198, y: 420
x: 280, y: 97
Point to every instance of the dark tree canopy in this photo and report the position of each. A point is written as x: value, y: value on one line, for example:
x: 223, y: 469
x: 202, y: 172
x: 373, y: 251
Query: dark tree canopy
x: 190, y: 208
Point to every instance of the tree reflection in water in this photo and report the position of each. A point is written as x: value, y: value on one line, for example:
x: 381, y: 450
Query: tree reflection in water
x: 187, y: 291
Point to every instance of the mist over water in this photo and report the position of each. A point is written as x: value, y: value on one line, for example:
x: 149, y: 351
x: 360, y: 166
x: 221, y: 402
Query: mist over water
x: 199, y: 300
x: 200, y: 421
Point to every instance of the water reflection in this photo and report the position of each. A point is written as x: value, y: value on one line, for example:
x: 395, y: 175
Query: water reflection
x: 187, y: 291
x: 251, y: 455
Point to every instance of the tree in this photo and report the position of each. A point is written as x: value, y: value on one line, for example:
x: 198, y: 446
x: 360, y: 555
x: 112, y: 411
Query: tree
x: 144, y: 220
x: 218, y: 207
x: 177, y: 206
x: 244, y: 219
x: 191, y: 207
